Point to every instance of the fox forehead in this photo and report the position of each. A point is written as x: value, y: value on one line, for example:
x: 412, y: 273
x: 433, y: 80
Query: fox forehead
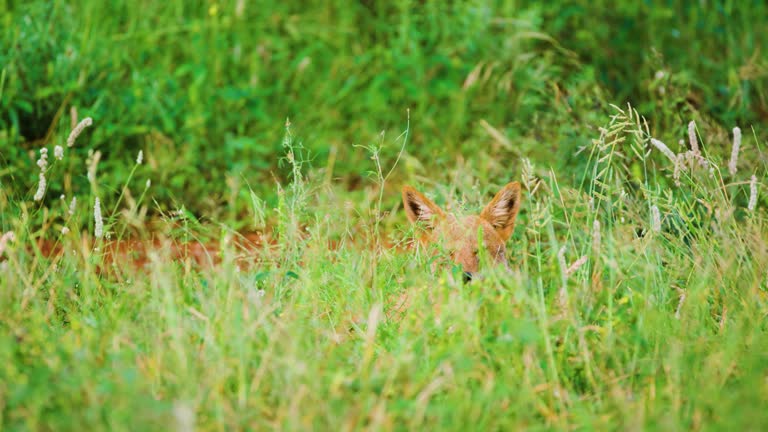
x: 462, y: 232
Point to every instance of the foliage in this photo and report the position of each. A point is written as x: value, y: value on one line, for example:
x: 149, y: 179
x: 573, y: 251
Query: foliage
x: 205, y: 87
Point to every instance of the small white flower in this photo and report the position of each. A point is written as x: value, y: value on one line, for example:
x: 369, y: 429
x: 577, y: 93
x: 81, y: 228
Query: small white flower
x: 40, y: 188
x: 655, y: 219
x: 256, y: 296
x: 58, y: 151
x: 140, y: 157
x: 78, y: 130
x: 42, y: 163
x: 98, y: 229
x: 735, y: 151
x: 72, y: 206
x: 752, y: 193
x: 64, y: 230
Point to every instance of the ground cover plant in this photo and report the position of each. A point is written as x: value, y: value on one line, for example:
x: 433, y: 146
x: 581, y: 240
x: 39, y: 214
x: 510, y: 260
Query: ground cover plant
x: 201, y: 221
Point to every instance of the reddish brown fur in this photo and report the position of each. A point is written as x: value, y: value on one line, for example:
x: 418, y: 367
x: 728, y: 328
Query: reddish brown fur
x: 460, y: 235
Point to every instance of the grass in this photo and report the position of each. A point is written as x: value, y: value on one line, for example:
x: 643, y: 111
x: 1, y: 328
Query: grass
x: 663, y: 327
x: 330, y: 319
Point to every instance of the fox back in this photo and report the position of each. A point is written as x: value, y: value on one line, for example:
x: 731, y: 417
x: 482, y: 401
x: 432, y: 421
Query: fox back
x: 459, y: 235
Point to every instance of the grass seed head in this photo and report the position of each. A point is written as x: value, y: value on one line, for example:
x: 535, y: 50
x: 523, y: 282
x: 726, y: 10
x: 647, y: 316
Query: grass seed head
x: 752, y: 193
x: 73, y: 117
x: 78, y: 130
x: 576, y: 265
x: 664, y: 149
x: 98, y: 229
x: 40, y: 188
x: 655, y: 219
x: 735, y: 151
x: 692, y: 138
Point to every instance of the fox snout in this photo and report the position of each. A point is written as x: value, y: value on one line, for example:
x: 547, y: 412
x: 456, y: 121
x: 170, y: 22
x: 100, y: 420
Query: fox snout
x: 459, y: 236
x: 468, y: 277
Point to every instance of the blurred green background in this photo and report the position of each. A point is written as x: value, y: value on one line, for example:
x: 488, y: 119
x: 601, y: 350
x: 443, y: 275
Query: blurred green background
x: 204, y: 88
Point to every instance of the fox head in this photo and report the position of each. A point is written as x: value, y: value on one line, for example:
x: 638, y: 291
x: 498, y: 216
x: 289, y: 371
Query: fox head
x: 460, y: 234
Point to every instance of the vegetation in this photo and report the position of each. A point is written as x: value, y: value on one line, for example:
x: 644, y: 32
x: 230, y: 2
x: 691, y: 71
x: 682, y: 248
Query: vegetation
x: 223, y: 246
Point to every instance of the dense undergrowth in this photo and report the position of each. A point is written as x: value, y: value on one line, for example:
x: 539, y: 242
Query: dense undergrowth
x: 205, y: 87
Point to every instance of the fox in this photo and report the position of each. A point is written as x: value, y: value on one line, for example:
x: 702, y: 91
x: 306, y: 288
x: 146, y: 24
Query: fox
x: 459, y: 235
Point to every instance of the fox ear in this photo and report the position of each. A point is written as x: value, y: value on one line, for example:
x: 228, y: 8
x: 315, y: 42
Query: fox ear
x: 419, y: 208
x: 501, y: 212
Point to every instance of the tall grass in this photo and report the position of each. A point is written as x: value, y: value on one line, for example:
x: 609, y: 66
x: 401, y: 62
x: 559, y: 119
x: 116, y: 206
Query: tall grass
x: 134, y: 294
x: 608, y: 320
